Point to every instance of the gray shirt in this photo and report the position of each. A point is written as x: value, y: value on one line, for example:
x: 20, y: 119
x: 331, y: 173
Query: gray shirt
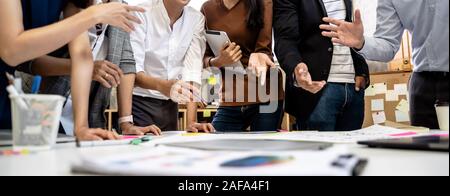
x: 428, y: 22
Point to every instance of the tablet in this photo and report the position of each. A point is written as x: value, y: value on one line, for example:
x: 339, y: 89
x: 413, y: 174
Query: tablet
x: 216, y: 41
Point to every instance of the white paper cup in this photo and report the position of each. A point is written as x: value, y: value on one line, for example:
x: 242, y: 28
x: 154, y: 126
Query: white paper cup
x: 36, y: 126
x: 443, y: 115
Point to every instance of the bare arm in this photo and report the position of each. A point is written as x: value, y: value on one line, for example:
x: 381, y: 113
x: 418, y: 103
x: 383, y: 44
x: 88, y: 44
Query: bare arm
x: 18, y: 45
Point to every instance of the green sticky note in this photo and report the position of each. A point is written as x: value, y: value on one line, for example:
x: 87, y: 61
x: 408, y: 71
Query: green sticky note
x: 212, y: 80
x: 207, y: 113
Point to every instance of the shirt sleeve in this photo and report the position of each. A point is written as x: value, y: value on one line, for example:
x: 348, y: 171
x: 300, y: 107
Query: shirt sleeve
x: 138, y: 39
x: 388, y: 36
x: 193, y: 62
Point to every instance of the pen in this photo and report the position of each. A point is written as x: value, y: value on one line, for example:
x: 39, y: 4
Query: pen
x: 36, y: 84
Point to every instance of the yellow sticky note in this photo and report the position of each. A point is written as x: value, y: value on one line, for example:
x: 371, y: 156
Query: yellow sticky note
x: 212, y: 80
x: 193, y: 134
x: 207, y: 113
x: 370, y: 91
x: 403, y: 106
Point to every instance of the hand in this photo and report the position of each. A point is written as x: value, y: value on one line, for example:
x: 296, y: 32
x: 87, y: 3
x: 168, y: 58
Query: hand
x: 180, y: 92
x: 304, y: 79
x: 201, y: 127
x: 116, y: 14
x: 360, y: 83
x: 259, y: 63
x: 130, y: 129
x: 349, y: 34
x: 230, y: 54
x: 107, y: 73
x: 87, y: 134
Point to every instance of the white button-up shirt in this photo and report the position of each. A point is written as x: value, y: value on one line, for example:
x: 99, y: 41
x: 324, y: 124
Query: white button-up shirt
x: 166, y: 53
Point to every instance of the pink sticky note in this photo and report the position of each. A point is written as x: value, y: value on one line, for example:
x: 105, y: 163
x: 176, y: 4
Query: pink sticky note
x: 127, y: 137
x: 441, y: 135
x: 404, y: 134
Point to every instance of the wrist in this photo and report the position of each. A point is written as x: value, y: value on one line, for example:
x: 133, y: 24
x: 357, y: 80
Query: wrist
x: 91, y: 12
x: 360, y: 46
x: 215, y: 62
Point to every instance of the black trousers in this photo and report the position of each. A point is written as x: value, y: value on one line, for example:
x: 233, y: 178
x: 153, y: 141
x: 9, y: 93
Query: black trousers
x: 149, y: 111
x: 426, y: 89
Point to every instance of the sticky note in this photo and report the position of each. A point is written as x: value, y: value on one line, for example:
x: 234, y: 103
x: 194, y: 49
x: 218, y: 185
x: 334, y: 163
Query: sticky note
x: 207, y: 113
x: 391, y: 95
x: 212, y: 80
x: 404, y: 134
x: 403, y: 106
x: 378, y: 105
x: 370, y: 91
x: 379, y: 117
x: 380, y: 88
x: 193, y: 134
x: 401, y: 116
x: 401, y: 89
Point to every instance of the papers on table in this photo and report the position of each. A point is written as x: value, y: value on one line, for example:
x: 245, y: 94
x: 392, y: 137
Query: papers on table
x: 184, y: 162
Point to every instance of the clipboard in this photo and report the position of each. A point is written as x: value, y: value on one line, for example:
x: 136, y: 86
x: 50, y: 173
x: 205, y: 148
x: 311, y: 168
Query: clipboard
x: 216, y: 41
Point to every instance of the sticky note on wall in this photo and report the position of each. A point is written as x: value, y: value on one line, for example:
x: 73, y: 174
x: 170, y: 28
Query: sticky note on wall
x: 402, y: 116
x: 370, y: 91
x: 379, y: 117
x: 403, y: 106
x: 401, y: 89
x: 391, y: 95
x: 380, y: 88
x: 378, y: 105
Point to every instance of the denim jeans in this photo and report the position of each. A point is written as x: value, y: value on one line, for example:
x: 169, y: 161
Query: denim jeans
x: 341, y: 108
x: 234, y: 119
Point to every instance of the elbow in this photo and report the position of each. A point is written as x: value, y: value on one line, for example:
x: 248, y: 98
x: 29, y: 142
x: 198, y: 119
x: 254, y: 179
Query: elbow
x: 10, y: 57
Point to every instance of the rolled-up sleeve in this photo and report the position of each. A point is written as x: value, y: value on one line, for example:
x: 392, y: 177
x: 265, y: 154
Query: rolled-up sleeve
x: 388, y: 35
x: 138, y: 39
x: 193, y: 61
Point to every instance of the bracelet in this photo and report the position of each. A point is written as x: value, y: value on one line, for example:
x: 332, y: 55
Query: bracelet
x: 209, y: 62
x: 126, y: 119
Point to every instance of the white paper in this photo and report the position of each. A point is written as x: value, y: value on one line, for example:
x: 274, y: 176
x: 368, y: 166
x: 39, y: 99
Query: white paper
x: 401, y: 89
x: 184, y: 162
x: 391, y: 95
x: 401, y: 116
x: 380, y: 88
x: 378, y: 105
x: 379, y: 117
x: 370, y: 92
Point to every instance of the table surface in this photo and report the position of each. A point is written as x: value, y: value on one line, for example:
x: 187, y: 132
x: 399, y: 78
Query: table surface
x: 382, y: 162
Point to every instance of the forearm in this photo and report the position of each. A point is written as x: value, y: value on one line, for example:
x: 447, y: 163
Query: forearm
x: 26, y: 45
x: 51, y: 66
x: 82, y: 68
x: 148, y: 82
x: 125, y: 95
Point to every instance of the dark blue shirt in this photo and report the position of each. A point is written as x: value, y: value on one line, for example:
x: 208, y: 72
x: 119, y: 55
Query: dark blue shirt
x: 36, y: 13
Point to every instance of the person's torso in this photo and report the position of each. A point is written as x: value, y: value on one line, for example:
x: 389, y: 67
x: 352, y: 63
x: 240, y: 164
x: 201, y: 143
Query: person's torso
x: 428, y: 22
x: 166, y: 47
x: 36, y: 13
x: 342, y: 69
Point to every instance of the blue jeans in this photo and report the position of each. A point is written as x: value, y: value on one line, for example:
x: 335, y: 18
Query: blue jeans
x: 341, y: 108
x: 235, y: 119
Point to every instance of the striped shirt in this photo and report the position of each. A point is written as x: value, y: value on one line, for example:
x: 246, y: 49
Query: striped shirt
x: 342, y: 68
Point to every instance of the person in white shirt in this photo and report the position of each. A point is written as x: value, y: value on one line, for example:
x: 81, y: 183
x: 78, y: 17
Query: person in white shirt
x: 168, y: 46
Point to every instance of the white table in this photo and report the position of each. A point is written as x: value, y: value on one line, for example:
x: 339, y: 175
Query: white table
x: 381, y: 161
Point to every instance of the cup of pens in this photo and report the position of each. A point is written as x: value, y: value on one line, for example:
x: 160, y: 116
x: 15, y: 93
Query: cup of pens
x: 35, y: 121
